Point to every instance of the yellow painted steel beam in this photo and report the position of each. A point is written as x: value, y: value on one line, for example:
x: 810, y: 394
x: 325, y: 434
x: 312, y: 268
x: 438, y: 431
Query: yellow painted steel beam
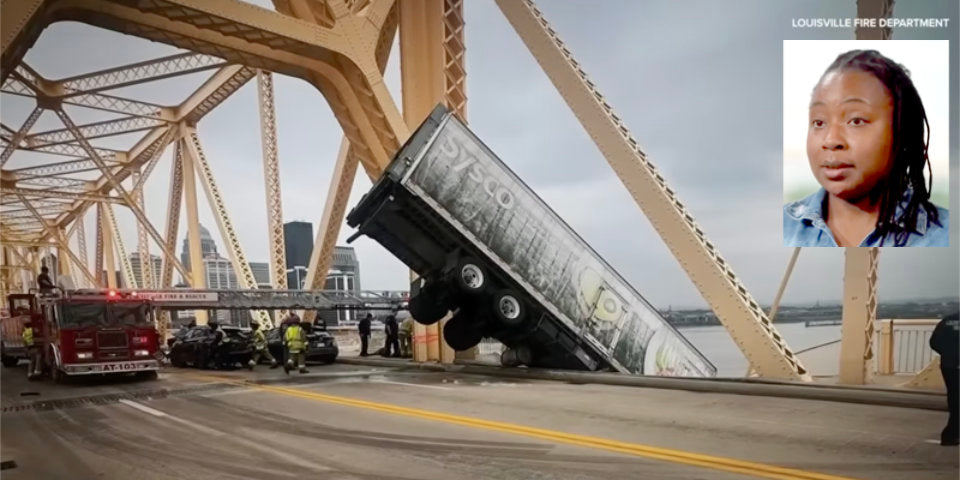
x: 929, y: 378
x: 21, y: 22
x: 198, y: 279
x: 212, y: 92
x: 239, y: 260
x: 221, y: 85
x: 52, y: 232
x: 63, y: 258
x: 271, y: 179
x: 99, y: 254
x: 338, y: 194
x: 385, y: 15
x: 125, y: 267
x: 90, y: 131
x: 860, y: 266
x: 136, y: 73
x: 51, y: 193
x: 174, y: 199
x: 153, y: 159
x: 128, y: 199
x: 740, y: 314
x: 20, y: 135
x: 423, y: 61
x: 82, y: 245
x: 859, y: 314
x: 135, y: 157
x: 66, y: 167
x: 143, y: 247
x: 339, y: 61
x: 110, y: 264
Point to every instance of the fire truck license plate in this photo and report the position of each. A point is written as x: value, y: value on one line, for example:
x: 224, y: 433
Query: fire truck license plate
x: 121, y: 367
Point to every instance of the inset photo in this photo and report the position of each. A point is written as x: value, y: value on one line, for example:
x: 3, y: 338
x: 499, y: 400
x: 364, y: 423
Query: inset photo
x: 865, y: 143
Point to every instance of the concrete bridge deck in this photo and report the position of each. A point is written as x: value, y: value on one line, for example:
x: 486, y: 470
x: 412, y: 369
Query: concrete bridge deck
x: 363, y: 422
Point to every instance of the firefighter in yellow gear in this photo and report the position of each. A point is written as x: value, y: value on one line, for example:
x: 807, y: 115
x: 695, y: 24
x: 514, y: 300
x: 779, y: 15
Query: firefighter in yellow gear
x: 295, y: 340
x: 260, y: 349
x: 33, y: 352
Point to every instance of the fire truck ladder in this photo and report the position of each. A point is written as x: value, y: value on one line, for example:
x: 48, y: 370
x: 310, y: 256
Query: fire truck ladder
x: 212, y: 299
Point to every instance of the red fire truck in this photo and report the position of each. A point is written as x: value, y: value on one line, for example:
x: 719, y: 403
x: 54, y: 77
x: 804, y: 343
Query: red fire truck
x: 84, y: 332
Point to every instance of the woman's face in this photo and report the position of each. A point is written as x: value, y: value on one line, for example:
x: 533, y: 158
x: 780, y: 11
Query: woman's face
x: 850, y: 133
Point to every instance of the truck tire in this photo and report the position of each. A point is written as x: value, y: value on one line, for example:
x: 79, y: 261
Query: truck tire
x: 427, y: 308
x: 508, y: 308
x: 461, y: 334
x: 514, y: 357
x: 470, y: 276
x: 9, y: 362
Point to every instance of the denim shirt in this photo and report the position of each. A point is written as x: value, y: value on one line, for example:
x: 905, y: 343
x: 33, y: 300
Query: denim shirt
x: 804, y: 226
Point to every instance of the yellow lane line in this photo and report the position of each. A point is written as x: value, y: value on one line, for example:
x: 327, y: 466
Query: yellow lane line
x: 759, y: 470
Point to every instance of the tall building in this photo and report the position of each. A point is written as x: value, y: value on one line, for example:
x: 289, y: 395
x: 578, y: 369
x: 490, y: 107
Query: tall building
x: 344, y: 272
x: 220, y: 275
x: 344, y: 275
x: 207, y: 247
x: 157, y: 267
x: 298, y: 243
x: 261, y: 273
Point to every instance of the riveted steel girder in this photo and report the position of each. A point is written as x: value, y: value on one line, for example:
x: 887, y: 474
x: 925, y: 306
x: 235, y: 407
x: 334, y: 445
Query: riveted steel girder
x: 733, y: 305
x: 271, y: 177
x: 237, y: 257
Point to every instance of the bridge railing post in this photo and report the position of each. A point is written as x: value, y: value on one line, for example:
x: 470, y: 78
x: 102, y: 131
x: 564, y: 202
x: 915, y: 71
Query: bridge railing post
x: 886, y: 341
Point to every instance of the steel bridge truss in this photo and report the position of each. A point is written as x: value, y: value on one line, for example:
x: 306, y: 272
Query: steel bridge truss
x: 340, y: 47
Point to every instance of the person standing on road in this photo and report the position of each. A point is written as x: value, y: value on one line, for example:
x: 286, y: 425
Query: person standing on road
x: 945, y: 340
x: 364, y: 328
x: 406, y: 336
x: 295, y: 339
x: 33, y: 352
x: 392, y: 331
x: 212, y: 353
x: 260, y: 347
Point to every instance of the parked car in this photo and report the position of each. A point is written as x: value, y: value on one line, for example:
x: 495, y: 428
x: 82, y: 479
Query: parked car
x: 321, y: 346
x: 194, y: 348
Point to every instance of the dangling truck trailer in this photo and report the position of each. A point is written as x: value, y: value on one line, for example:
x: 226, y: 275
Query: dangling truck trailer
x: 488, y: 249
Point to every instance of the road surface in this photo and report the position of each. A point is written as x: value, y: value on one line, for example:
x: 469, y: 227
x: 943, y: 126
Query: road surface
x: 357, y: 422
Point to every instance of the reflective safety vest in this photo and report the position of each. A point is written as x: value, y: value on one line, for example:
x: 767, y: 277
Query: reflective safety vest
x: 294, y: 338
x: 28, y: 336
x: 259, y: 339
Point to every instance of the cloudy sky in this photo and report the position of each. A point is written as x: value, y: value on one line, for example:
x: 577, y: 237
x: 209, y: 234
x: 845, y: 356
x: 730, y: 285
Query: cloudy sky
x: 697, y: 82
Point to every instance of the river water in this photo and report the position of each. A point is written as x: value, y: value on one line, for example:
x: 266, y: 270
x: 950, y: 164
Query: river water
x: 716, y: 344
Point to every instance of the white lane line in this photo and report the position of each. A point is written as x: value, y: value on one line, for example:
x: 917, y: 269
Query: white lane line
x: 142, y: 408
x: 289, y: 458
x: 158, y: 413
x: 411, y: 384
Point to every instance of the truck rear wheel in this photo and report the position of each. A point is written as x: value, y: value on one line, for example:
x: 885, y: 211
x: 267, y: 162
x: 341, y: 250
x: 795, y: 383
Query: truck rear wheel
x: 427, y: 308
x: 508, y: 308
x: 461, y: 334
x: 470, y: 276
x: 514, y: 357
x: 9, y: 362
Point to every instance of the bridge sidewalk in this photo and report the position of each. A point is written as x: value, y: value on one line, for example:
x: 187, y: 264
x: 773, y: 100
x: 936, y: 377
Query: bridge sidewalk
x: 872, y: 395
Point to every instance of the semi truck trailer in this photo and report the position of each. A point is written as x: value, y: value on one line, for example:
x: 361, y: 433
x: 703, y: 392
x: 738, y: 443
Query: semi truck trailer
x: 489, y: 251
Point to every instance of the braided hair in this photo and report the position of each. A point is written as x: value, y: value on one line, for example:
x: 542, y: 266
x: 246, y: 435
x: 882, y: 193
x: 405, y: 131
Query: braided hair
x: 909, y: 150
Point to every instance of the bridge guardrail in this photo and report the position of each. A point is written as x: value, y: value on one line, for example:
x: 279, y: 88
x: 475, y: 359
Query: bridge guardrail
x: 903, y: 346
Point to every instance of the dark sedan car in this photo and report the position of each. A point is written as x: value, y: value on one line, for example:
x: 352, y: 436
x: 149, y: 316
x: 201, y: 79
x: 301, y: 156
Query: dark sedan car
x: 195, y: 348
x: 321, y: 346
